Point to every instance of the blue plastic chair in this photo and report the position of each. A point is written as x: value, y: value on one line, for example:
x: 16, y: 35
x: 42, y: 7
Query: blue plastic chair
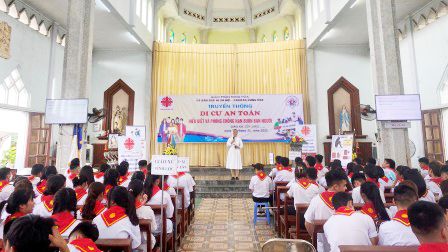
x: 263, y: 204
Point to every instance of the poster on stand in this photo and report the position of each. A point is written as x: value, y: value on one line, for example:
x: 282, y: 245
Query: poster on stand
x: 164, y: 164
x: 183, y: 164
x: 309, y: 133
x: 342, y: 148
x: 129, y: 149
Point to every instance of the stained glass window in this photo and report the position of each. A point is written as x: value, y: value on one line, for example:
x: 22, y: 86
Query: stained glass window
x: 13, y: 91
x: 286, y: 33
x: 274, y: 36
x: 195, y: 40
x: 183, y: 39
x: 171, y: 36
x: 263, y: 38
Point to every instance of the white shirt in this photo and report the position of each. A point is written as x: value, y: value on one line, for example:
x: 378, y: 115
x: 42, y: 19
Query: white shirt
x: 5, y: 192
x: 390, y: 173
x: 425, y: 174
x: 34, y: 181
x: 394, y: 233
x: 41, y: 210
x: 322, y: 182
x: 145, y: 212
x: 101, y: 179
x: 428, y: 196
x: 284, y: 176
x: 122, y: 229
x: 434, y: 188
x: 185, y: 182
x: 356, y: 195
x: 82, y: 200
x: 69, y: 183
x: 234, y: 154
x: 321, y: 174
x: 356, y: 229
x: 318, y: 210
x: 157, y: 200
x: 273, y: 172
x: 70, y: 229
x: 261, y: 188
x: 302, y: 195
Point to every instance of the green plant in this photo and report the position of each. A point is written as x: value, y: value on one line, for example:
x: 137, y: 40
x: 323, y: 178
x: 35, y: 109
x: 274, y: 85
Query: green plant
x: 9, y: 156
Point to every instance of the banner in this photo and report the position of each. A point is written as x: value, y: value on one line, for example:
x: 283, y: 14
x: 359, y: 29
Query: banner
x: 211, y: 118
x: 183, y: 164
x: 341, y: 148
x: 163, y: 165
x: 309, y: 134
x: 129, y: 149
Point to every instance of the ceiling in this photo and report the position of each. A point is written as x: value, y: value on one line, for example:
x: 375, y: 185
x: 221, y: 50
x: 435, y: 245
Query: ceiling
x: 109, y: 31
x: 351, y: 27
x: 222, y: 5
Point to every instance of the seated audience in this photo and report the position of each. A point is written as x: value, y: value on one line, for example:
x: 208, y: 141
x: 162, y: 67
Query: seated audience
x: 37, y: 171
x: 429, y: 225
x: 48, y: 171
x: 399, y: 172
x: 139, y: 175
x: 434, y: 181
x: 389, y: 169
x: 87, y: 171
x: 5, y: 188
x: 19, y: 204
x: 444, y: 187
x: 285, y: 173
x: 371, y: 161
x: 111, y: 178
x: 383, y: 179
x: 424, y: 165
x: 83, y: 237
x: 124, y: 175
x: 360, y: 228
x: 336, y: 164
x: 93, y: 206
x: 305, y: 189
x: 261, y: 185
x: 44, y: 206
x: 358, y: 161
x: 181, y: 179
x: 398, y: 232
x: 155, y: 197
x: 423, y: 192
x: 99, y: 177
x: 74, y: 172
x: 278, y: 165
x: 81, y: 185
x: 321, y: 170
x: 371, y: 173
x: 374, y: 206
x: 444, y: 172
x: 64, y: 212
x: 143, y: 166
x: 357, y: 180
x: 120, y: 219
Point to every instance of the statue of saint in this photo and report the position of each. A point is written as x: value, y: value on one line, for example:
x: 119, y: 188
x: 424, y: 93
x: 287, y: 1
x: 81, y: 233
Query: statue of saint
x: 344, y: 119
x: 118, y: 120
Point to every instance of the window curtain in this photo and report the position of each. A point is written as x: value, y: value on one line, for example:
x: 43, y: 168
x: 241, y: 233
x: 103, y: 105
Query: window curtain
x: 259, y: 68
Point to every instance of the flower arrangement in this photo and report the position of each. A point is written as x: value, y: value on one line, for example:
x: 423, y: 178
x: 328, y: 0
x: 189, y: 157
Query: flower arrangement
x: 170, y: 150
x: 296, y: 143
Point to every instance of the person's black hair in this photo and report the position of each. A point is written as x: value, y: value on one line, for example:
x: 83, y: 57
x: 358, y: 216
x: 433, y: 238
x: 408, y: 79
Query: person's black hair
x: 425, y: 218
x: 135, y: 187
x: 87, y: 171
x: 372, y: 193
x: 75, y: 163
x: 111, y: 177
x: 121, y: 197
x: 371, y: 171
x: 258, y: 167
x: 335, y: 176
x: 4, y: 172
x: 401, y: 169
x: 337, y: 161
x: 444, y: 187
x: 149, y: 184
x: 142, y: 163
x: 79, y: 180
x: 443, y: 203
x: 123, y: 168
x: 405, y: 195
x: 95, y: 190
x: 335, y: 165
x: 298, y: 160
x: 358, y: 177
x: 21, y: 178
x: 371, y: 161
x: 138, y: 175
x: 87, y: 230
x: 391, y: 162
x: 54, y: 183
x: 49, y: 170
x: 414, y: 176
x: 17, y: 198
x: 310, y: 160
x: 380, y: 171
x: 311, y: 173
x: 36, y: 169
x: 435, y: 167
x: 444, y: 169
x: 350, y: 167
x: 341, y: 199
x: 65, y: 200
x: 30, y: 234
x: 319, y: 158
x: 424, y: 160
x: 358, y: 160
x: 104, y: 167
x: 149, y: 168
x: 285, y: 161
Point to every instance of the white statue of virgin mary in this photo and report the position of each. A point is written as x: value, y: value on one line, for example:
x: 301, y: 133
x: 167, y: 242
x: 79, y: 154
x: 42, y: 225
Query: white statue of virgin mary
x: 344, y: 119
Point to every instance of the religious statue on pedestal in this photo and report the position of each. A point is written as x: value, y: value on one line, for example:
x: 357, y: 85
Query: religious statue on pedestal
x: 119, y: 119
x: 344, y: 119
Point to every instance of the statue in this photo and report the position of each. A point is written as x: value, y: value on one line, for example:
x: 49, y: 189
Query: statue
x: 119, y: 119
x: 344, y: 119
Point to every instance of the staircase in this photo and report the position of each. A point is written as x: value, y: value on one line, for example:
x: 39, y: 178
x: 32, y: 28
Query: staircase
x: 216, y: 183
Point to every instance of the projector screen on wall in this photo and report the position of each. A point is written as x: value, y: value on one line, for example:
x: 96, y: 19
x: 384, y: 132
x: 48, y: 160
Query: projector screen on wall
x: 66, y: 111
x: 398, y: 107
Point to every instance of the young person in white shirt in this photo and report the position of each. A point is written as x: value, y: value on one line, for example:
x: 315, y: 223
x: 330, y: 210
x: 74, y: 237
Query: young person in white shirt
x: 93, y: 206
x: 124, y: 174
x: 424, y: 165
x: 278, y: 160
x: 83, y: 238
x: 80, y: 185
x: 305, y: 188
x: 321, y: 206
x: 261, y: 185
x: 285, y: 173
x: 374, y: 206
x: 36, y: 173
x: 321, y: 169
x: 423, y: 192
x: 46, y: 201
x: 371, y: 174
x: 19, y: 204
x: 433, y: 184
x: 348, y: 227
x: 120, y: 220
x: 155, y: 197
x: 5, y: 188
x: 398, y: 232
x: 74, y: 172
x: 336, y: 164
x: 181, y: 179
x: 99, y: 177
x: 64, y: 208
x: 389, y: 170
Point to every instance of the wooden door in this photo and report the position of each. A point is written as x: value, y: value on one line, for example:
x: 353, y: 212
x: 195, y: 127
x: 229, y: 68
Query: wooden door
x: 39, y: 136
x: 432, y: 135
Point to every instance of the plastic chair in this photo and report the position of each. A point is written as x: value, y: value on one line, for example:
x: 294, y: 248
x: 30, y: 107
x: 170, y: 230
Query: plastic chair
x: 262, y: 204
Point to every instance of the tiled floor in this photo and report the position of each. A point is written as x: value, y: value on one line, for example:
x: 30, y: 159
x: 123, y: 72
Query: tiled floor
x: 226, y: 225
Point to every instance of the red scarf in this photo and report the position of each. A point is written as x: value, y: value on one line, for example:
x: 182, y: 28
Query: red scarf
x: 350, y: 174
x: 64, y: 221
x: 280, y: 167
x: 155, y: 190
x: 122, y: 179
x: 31, y: 178
x: 42, y: 186
x: 85, y: 245
x: 343, y: 210
x: 145, y: 171
x: 305, y: 183
x: 319, y: 167
x: 402, y: 217
x: 369, y: 209
x: 3, y: 183
x: 425, y: 168
x: 48, y: 202
x: 99, y: 207
x: 179, y: 174
x: 261, y: 175
x: 166, y: 187
x: 99, y: 175
x: 386, y: 179
x: 436, y: 247
x: 72, y: 176
x: 14, y: 216
x: 437, y: 180
x: 113, y: 215
x: 373, y: 181
x: 107, y: 190
x: 80, y: 192
x: 327, y: 197
x: 138, y: 204
x: 288, y: 168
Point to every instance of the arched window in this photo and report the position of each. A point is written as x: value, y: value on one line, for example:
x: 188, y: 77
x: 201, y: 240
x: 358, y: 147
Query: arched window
x: 171, y: 36
x: 13, y: 91
x: 286, y: 33
x: 274, y: 36
x: 195, y: 40
x: 183, y: 39
x: 263, y: 38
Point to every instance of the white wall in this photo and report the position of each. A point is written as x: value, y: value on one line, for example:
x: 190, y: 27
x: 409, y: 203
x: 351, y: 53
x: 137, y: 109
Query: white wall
x: 352, y: 63
x: 108, y: 66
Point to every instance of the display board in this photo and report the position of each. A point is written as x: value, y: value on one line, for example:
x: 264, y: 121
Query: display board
x: 398, y: 107
x: 66, y: 111
x: 211, y: 118
x: 342, y: 149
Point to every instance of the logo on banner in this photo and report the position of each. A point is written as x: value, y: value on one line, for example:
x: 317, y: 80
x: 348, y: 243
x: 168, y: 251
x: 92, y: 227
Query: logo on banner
x: 292, y: 101
x: 167, y: 102
x: 129, y: 144
x: 306, y: 130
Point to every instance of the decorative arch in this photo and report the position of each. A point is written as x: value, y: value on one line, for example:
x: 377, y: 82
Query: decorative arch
x: 108, y: 104
x: 13, y: 90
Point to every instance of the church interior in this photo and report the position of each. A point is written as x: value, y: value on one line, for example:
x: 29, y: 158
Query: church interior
x: 134, y: 64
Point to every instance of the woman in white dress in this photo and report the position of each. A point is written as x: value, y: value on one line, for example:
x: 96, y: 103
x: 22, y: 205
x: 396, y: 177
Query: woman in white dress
x: 234, y: 155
